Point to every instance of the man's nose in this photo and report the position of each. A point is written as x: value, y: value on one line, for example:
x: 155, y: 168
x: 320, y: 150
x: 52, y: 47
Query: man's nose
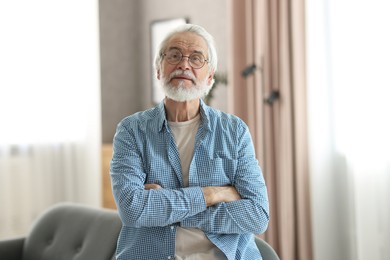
x: 184, y: 64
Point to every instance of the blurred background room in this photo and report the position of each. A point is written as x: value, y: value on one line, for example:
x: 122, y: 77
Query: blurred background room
x: 309, y: 77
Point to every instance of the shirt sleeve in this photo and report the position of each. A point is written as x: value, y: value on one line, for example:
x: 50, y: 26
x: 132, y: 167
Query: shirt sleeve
x: 248, y: 215
x: 138, y: 207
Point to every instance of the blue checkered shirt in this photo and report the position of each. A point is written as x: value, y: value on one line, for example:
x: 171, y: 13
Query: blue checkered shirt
x: 145, y: 152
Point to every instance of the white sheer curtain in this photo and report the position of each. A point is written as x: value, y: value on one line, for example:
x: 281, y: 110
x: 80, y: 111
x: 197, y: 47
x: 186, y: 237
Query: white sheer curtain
x: 349, y: 92
x: 49, y: 108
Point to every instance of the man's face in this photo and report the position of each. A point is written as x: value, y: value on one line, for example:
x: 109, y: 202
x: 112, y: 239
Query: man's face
x: 182, y: 77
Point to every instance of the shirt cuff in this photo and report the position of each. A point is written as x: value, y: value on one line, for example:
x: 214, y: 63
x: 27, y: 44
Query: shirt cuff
x: 196, y: 198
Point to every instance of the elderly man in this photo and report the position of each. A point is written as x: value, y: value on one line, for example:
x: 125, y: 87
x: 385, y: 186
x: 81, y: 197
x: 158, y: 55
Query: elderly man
x: 184, y: 175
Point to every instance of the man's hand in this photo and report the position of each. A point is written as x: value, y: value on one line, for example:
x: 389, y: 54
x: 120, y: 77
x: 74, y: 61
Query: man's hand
x: 152, y: 186
x: 212, y: 194
x: 217, y: 194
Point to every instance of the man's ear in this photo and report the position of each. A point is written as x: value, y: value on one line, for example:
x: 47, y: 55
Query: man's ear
x: 210, y: 78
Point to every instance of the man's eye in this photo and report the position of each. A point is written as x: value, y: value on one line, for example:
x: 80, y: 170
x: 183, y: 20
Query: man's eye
x: 174, y: 56
x: 195, y: 58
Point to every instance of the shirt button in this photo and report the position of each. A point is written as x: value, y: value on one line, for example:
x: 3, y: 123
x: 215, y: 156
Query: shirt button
x: 169, y: 257
x: 172, y: 227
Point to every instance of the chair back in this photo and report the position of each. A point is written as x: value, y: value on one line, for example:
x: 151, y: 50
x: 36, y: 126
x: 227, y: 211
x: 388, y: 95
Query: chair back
x: 71, y: 231
x: 267, y: 252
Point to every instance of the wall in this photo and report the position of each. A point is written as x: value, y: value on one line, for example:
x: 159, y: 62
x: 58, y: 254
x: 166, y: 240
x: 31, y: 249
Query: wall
x: 126, y: 68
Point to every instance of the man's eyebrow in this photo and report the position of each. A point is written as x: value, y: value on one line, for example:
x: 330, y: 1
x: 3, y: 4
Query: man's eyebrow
x: 201, y: 52
x: 174, y: 48
x: 180, y: 49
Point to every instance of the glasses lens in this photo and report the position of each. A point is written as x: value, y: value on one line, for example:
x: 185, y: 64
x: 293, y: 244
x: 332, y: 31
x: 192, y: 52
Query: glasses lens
x: 174, y: 56
x: 196, y: 60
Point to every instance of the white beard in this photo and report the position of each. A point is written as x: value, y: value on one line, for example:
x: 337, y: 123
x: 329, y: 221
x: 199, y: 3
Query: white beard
x: 181, y: 93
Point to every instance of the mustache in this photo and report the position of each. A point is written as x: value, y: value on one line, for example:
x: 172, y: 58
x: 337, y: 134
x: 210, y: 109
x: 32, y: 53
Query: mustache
x: 185, y: 73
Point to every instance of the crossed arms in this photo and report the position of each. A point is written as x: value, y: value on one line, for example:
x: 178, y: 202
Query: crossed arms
x: 212, y: 194
x: 240, y: 208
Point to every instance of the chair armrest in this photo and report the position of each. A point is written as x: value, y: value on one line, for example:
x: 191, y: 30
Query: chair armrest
x: 12, y: 249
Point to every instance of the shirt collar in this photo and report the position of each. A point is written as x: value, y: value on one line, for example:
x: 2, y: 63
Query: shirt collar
x: 204, y: 115
x: 161, y: 116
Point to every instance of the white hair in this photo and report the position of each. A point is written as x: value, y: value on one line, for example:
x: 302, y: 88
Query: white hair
x: 212, y: 52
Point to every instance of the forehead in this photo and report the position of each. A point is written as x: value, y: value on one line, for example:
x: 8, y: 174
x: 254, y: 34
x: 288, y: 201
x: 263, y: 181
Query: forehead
x: 188, y: 41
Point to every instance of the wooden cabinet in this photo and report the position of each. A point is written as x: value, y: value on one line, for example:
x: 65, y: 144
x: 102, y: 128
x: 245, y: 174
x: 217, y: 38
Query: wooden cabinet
x: 108, y: 198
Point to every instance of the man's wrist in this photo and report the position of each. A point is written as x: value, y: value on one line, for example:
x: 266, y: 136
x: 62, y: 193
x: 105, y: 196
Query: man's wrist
x: 210, y: 195
x: 216, y: 194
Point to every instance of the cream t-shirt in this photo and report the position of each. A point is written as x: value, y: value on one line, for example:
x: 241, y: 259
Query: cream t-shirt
x: 191, y: 243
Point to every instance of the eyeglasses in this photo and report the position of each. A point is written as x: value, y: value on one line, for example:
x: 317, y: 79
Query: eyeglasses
x: 174, y: 57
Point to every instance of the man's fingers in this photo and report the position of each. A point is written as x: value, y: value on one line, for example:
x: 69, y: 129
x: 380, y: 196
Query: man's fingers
x: 232, y: 194
x: 151, y: 186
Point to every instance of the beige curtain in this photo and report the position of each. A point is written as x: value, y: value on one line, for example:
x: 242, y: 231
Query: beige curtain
x: 267, y: 38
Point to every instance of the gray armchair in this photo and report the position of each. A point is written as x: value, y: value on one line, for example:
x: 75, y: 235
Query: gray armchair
x: 71, y: 231
x: 267, y: 252
x: 67, y: 231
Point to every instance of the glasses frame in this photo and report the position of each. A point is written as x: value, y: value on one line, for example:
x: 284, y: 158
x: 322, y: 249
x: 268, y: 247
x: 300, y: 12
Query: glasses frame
x: 189, y: 61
